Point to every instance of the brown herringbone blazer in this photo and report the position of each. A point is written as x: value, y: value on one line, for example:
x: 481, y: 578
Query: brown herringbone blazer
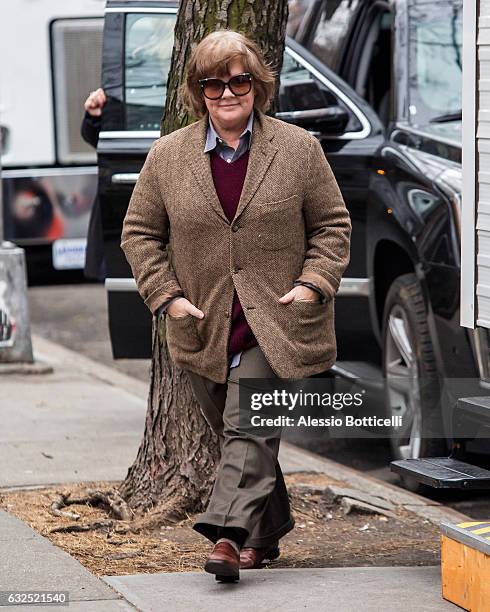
x: 291, y: 224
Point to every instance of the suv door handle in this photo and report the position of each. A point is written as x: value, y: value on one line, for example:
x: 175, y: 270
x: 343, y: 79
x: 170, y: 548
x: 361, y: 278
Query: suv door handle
x: 128, y: 178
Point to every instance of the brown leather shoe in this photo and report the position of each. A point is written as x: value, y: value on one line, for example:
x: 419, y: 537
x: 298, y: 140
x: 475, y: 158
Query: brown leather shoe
x: 252, y: 558
x: 224, y: 561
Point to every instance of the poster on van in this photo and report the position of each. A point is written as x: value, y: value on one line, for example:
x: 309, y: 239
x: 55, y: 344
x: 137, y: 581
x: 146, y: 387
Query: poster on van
x: 50, y: 206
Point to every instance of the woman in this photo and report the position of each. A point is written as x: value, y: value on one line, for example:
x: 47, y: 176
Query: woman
x: 259, y: 237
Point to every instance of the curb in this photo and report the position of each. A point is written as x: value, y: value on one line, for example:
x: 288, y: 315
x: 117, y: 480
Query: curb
x: 57, y: 355
x: 35, y: 368
x: 425, y: 508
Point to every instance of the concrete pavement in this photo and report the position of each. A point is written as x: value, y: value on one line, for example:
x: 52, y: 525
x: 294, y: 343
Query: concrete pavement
x: 84, y: 421
x: 346, y: 589
x: 29, y: 562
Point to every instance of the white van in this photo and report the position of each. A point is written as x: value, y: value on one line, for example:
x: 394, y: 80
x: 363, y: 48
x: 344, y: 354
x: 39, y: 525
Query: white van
x: 51, y: 60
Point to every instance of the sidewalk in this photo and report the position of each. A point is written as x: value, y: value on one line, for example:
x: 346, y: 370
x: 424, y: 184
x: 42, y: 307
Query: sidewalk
x: 48, y: 436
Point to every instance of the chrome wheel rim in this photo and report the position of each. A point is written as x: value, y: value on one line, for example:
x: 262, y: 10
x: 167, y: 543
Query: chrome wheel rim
x: 402, y: 384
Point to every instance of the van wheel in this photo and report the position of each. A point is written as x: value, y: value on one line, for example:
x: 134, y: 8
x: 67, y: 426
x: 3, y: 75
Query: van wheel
x: 412, y: 389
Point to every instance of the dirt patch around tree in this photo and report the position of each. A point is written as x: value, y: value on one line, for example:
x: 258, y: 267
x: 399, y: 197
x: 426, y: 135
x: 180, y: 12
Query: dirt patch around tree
x: 324, y: 536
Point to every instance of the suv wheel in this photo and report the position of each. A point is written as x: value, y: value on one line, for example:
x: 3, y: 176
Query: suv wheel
x: 412, y: 388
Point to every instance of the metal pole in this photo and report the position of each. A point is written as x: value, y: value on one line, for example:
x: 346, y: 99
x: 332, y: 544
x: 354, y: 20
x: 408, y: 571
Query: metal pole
x: 15, y: 329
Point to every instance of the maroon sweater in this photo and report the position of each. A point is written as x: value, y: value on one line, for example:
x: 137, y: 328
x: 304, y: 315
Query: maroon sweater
x: 228, y: 180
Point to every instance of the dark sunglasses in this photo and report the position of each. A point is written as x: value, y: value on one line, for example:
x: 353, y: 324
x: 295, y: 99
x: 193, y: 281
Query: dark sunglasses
x: 239, y: 85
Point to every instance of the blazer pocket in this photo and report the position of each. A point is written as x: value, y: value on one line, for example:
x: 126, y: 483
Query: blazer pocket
x: 280, y: 223
x: 314, y: 324
x: 181, y: 333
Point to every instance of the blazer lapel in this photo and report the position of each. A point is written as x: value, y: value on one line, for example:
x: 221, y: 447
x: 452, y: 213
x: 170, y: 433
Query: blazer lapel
x: 201, y: 166
x: 261, y: 154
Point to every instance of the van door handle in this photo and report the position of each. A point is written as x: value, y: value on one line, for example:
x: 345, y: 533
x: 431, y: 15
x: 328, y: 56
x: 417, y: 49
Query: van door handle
x: 128, y: 178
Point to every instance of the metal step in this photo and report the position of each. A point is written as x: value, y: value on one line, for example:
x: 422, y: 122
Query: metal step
x: 367, y: 374
x: 477, y: 407
x: 443, y: 473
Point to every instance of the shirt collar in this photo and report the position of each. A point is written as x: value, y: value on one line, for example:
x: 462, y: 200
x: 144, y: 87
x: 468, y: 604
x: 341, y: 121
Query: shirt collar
x: 212, y: 137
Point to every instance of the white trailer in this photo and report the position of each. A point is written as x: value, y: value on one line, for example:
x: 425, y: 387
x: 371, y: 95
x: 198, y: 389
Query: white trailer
x: 51, y: 60
x: 471, y: 418
x: 475, y: 239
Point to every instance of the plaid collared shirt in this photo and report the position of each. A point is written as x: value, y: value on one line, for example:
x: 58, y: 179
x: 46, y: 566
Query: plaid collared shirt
x: 229, y: 154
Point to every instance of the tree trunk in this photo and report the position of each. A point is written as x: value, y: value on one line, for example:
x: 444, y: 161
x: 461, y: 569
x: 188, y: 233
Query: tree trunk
x: 175, y: 467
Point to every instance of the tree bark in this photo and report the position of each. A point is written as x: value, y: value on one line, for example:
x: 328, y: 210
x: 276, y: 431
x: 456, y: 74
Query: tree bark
x: 174, y: 470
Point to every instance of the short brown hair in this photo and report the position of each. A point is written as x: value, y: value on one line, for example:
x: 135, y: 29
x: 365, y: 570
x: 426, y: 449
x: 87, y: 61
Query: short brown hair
x: 212, y: 57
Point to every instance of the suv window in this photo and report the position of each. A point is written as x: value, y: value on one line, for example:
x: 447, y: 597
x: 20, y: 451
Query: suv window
x: 333, y: 25
x: 298, y: 11
x: 149, y: 41
x: 372, y: 68
x: 435, y: 60
x: 300, y: 90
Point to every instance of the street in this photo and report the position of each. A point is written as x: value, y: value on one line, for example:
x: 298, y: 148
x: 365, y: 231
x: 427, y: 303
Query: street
x: 75, y: 316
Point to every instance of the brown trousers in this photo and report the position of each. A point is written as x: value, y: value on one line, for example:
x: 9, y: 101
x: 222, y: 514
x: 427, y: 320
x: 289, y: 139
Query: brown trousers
x: 249, y: 490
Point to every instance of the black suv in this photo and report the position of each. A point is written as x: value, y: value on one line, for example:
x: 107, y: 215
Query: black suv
x: 385, y: 79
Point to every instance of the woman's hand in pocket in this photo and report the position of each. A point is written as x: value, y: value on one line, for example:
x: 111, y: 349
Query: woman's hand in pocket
x: 300, y: 293
x: 181, y: 307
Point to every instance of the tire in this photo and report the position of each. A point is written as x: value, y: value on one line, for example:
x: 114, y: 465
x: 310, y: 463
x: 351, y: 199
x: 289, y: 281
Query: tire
x: 412, y: 387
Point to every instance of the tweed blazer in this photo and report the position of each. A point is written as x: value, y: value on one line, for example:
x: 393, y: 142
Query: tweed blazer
x: 291, y: 224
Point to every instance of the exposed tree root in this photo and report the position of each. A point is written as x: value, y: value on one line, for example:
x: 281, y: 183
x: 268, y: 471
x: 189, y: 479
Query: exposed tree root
x: 169, y: 512
x: 107, y: 525
x: 110, y: 499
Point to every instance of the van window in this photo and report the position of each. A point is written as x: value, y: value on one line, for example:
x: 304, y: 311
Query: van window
x: 149, y: 42
x: 77, y: 56
x: 435, y: 60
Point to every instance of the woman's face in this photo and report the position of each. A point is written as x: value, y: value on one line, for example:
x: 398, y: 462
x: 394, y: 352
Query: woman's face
x: 231, y: 111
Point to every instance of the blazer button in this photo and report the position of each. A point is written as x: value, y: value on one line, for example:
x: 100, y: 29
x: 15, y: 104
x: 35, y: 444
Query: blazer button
x: 235, y: 228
